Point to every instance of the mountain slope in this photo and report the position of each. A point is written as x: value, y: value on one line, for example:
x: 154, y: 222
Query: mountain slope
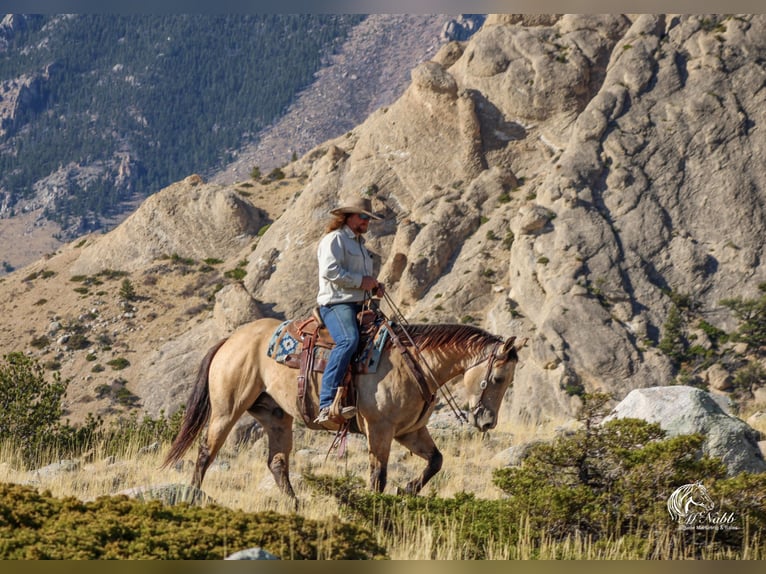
x: 149, y: 100
x: 573, y: 179
x: 99, y: 109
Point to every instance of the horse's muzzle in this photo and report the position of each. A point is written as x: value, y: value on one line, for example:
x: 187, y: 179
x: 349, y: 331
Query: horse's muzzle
x: 482, y: 418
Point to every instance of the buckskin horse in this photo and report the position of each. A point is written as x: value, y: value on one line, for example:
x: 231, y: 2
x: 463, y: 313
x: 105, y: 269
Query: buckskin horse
x: 236, y: 376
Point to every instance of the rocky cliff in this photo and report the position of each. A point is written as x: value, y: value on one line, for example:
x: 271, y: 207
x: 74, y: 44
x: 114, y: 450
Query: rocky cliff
x: 617, y: 156
x: 559, y: 177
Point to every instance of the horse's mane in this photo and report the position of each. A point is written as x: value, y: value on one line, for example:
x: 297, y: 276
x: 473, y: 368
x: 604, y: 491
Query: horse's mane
x: 439, y: 335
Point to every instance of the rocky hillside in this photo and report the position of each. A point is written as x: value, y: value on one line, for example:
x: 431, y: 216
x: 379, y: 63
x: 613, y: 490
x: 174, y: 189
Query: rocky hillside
x: 371, y: 69
x: 571, y: 179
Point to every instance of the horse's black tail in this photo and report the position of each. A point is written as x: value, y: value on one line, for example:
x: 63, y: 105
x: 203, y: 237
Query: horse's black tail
x: 197, y: 410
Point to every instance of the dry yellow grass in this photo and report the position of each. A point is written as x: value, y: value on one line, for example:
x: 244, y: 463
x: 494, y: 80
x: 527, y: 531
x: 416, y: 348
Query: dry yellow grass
x: 239, y: 479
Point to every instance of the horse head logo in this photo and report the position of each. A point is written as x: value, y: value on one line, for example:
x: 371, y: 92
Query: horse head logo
x: 689, y: 500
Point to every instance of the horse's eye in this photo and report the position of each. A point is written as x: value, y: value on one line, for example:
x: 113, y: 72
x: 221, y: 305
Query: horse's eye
x: 497, y: 380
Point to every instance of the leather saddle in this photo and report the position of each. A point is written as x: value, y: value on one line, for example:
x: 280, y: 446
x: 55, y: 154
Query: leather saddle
x: 293, y: 340
x: 305, y: 345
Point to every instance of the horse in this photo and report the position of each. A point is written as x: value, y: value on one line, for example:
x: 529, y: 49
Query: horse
x: 237, y: 376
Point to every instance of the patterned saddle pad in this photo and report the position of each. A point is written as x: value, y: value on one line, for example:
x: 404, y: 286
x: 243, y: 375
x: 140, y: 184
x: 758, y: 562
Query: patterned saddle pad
x: 285, y: 348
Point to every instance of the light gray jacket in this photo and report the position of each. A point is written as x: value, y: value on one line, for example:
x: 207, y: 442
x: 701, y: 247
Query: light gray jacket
x: 343, y: 261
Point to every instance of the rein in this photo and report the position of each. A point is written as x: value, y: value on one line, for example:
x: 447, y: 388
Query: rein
x: 446, y: 393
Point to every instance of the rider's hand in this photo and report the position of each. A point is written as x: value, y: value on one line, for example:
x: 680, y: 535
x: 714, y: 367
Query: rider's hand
x: 369, y: 283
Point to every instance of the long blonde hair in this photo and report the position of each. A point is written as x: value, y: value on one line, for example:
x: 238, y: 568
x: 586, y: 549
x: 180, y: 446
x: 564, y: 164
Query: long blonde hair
x: 336, y: 222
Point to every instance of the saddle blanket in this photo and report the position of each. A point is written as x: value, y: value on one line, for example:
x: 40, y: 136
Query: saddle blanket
x: 284, y: 348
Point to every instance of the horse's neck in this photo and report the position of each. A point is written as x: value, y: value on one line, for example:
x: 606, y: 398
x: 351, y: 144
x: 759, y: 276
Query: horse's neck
x: 446, y: 364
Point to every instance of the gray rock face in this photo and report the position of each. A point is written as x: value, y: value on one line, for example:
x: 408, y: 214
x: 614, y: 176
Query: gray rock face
x: 681, y: 410
x: 252, y: 554
x: 557, y: 177
x: 189, y: 218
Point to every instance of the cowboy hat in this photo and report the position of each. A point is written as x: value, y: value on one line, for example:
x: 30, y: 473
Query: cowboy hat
x: 356, y: 205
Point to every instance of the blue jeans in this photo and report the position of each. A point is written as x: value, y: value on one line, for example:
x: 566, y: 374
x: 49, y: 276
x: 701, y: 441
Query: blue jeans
x: 340, y: 320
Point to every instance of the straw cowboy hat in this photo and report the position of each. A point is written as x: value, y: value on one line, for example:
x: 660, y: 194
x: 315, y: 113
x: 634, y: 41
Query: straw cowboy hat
x: 356, y: 205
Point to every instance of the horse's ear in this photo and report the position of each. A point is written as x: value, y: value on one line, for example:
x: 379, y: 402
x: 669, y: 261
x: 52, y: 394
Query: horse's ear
x: 508, y: 346
x: 521, y: 344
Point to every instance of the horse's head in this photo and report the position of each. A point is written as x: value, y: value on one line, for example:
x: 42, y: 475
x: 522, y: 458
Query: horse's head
x: 487, y: 381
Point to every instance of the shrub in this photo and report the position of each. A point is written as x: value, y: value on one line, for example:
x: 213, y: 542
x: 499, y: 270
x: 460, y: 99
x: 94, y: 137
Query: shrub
x: 751, y: 314
x: 749, y: 378
x: 118, y: 364
x: 237, y: 274
x: 605, y: 483
x: 127, y: 291
x: 40, y: 342
x: 78, y: 341
x: 276, y: 174
x: 31, y: 405
x: 38, y: 526
x: 111, y: 273
x: 673, y: 342
x: 176, y: 258
x: 605, y: 479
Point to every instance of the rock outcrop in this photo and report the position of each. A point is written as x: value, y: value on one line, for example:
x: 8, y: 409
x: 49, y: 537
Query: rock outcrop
x: 187, y: 219
x: 681, y: 410
x: 560, y: 177
x: 634, y: 142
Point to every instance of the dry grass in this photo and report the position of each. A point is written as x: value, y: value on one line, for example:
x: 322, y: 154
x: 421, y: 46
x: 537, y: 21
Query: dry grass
x: 239, y: 479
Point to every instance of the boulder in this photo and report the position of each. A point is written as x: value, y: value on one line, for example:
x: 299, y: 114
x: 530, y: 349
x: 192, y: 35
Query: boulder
x: 255, y: 553
x: 682, y: 410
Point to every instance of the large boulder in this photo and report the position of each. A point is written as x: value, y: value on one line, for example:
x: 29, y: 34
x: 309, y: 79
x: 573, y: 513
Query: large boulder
x: 682, y: 410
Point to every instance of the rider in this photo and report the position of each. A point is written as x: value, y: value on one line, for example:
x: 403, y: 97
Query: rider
x: 345, y: 279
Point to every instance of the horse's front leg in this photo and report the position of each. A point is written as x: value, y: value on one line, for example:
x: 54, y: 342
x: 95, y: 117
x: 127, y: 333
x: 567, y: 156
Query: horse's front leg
x: 379, y: 441
x: 421, y: 443
x: 278, y: 426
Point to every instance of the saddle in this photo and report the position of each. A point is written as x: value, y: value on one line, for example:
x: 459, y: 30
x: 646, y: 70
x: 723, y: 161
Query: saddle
x: 306, y: 344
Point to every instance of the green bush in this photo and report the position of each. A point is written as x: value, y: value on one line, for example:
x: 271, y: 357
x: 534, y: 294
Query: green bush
x: 30, y: 406
x: 751, y: 314
x: 127, y: 290
x: 36, y: 526
x: 40, y: 342
x: 118, y: 364
x: 606, y: 483
x: 78, y: 341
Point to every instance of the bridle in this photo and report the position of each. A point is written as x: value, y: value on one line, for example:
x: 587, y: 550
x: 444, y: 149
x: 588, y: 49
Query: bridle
x: 490, y: 359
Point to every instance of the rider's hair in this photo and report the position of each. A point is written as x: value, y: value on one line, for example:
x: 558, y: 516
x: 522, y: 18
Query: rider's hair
x: 336, y: 222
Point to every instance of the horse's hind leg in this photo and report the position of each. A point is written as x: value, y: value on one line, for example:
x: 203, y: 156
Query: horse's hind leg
x: 379, y: 441
x: 218, y: 430
x: 421, y: 443
x: 278, y: 426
